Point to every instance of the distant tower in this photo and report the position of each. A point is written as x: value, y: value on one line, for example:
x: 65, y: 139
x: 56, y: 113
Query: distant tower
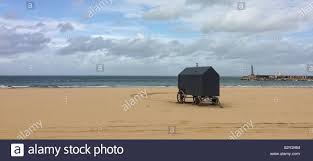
x: 197, y: 65
x: 252, y: 72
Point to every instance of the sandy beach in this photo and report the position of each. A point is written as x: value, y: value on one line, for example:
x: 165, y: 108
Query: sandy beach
x: 110, y: 113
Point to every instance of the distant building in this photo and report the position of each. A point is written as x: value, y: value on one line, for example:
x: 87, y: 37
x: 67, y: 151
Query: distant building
x: 252, y: 72
x: 277, y: 76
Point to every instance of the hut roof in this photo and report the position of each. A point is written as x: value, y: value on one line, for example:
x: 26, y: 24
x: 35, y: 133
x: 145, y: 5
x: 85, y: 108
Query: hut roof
x: 195, y: 70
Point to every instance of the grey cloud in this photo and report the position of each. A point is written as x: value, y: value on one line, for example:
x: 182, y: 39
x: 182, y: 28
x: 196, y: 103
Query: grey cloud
x: 137, y: 47
x: 12, y: 43
x: 262, y: 51
x: 84, y: 44
x: 64, y: 27
x: 266, y: 52
x: 40, y: 24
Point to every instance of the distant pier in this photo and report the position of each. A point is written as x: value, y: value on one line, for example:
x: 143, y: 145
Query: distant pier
x: 252, y: 76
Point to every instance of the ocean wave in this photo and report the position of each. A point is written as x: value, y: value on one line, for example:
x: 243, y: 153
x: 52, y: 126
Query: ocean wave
x: 146, y: 86
x: 3, y: 86
x: 52, y: 86
x: 241, y: 86
x: 19, y: 86
x: 143, y: 86
x: 84, y: 86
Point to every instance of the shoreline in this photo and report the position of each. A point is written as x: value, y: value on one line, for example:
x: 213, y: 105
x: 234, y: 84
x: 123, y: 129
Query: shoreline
x: 104, y: 87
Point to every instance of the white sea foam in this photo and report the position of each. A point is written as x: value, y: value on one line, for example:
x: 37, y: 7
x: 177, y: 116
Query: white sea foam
x: 240, y: 86
x: 3, y: 86
x: 131, y: 86
x: 20, y: 86
x: 83, y: 86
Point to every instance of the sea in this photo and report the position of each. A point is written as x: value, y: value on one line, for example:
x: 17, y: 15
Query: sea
x: 129, y: 81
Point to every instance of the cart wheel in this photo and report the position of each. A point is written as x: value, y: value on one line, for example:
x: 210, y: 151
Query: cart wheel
x: 180, y: 97
x: 215, y: 101
x: 196, y: 100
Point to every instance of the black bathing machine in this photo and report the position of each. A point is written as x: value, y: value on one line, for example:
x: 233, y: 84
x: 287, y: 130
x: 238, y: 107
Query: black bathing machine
x: 200, y: 83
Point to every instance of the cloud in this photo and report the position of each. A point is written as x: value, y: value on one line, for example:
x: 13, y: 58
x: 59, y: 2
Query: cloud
x: 138, y: 47
x: 223, y: 16
x: 163, y: 13
x: 12, y: 42
x: 64, y: 27
x: 262, y: 49
x: 138, y: 44
x: 209, y: 2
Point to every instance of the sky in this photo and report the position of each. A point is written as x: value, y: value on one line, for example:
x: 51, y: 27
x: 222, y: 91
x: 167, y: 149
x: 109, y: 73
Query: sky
x: 144, y: 37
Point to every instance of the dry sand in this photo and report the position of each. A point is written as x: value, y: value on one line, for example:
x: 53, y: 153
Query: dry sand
x: 97, y: 113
